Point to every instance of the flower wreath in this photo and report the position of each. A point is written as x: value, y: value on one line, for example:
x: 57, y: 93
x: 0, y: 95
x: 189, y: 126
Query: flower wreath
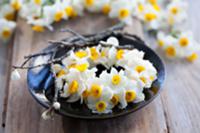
x: 104, y: 76
x: 164, y: 20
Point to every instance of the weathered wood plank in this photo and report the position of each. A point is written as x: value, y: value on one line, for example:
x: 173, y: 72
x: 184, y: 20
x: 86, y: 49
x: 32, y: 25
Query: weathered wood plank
x: 5, y: 57
x: 181, y: 95
x: 23, y: 113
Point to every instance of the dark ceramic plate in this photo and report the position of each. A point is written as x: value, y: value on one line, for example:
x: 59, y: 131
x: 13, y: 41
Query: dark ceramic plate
x: 77, y: 110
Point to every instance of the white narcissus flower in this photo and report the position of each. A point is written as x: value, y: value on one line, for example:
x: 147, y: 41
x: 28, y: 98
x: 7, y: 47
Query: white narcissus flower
x: 38, y: 2
x: 127, y: 55
x: 78, y: 7
x: 16, y: 4
x: 117, y: 82
x: 145, y: 70
x: 6, y: 29
x: 176, y: 13
x: 40, y: 24
x: 98, y: 99
x: 97, y: 5
x: 7, y: 12
x: 30, y: 10
x: 74, y: 86
x: 133, y: 91
x: 151, y: 15
x: 180, y: 45
x: 55, y: 12
x: 187, y: 45
x: 121, y: 9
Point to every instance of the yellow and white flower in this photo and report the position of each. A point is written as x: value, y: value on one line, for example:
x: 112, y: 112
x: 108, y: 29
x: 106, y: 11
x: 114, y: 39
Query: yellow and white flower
x: 6, y: 29
x: 146, y: 71
x: 78, y: 7
x: 30, y: 10
x: 55, y: 12
x: 134, y: 92
x: 181, y: 45
x: 151, y: 15
x: 187, y: 45
x: 128, y: 55
x: 74, y: 86
x: 176, y: 12
x: 16, y: 4
x: 97, y: 5
x: 99, y: 97
x: 7, y: 12
x: 121, y: 9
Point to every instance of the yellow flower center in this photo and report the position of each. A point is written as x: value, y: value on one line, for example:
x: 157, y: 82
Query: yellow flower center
x: 119, y: 54
x: 16, y: 5
x: 116, y: 79
x: 106, y: 9
x: 123, y: 13
x: 101, y: 106
x: 70, y: 11
x: 115, y: 99
x: 61, y: 73
x: 140, y: 69
x: 96, y: 91
x: 174, y: 10
x: 184, y: 42
x: 58, y: 16
x: 37, y: 2
x: 9, y: 16
x: 152, y: 1
x: 192, y: 57
x: 150, y: 17
x: 130, y: 95
x: 144, y: 80
x: 38, y: 28
x: 82, y: 67
x: 6, y: 33
x: 72, y: 65
x: 152, y: 78
x: 161, y: 43
x: 85, y: 93
x: 73, y: 87
x: 141, y: 7
x: 89, y: 3
x: 103, y: 53
x: 94, y: 54
x: 156, y: 7
x: 170, y: 51
x: 81, y: 54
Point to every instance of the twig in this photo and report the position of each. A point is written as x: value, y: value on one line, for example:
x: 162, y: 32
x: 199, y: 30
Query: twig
x: 78, y: 41
x: 74, y: 33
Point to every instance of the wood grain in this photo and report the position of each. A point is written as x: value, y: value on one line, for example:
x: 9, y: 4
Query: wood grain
x: 23, y: 113
x: 176, y: 110
x: 5, y: 57
x: 182, y: 95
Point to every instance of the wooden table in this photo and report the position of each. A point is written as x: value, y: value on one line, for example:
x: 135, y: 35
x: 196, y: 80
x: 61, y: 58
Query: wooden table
x: 175, y: 110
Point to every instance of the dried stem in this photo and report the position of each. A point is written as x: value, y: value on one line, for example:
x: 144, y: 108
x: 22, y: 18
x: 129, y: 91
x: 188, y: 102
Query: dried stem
x: 75, y: 42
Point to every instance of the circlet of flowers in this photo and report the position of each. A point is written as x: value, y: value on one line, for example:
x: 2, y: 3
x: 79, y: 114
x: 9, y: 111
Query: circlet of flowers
x: 126, y: 73
x: 165, y: 18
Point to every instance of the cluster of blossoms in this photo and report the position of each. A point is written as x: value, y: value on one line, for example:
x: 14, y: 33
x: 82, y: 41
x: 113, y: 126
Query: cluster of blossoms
x: 156, y: 15
x: 126, y: 73
x: 7, y: 24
